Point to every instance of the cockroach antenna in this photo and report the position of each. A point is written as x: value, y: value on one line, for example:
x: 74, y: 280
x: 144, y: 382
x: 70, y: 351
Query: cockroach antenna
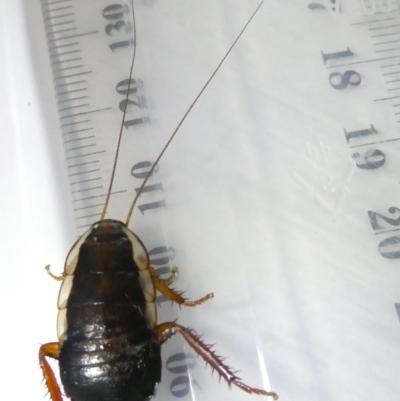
x: 139, y: 192
x: 128, y: 218
x: 123, y: 119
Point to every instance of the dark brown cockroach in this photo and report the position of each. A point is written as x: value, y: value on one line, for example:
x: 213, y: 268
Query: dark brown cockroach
x: 109, y: 341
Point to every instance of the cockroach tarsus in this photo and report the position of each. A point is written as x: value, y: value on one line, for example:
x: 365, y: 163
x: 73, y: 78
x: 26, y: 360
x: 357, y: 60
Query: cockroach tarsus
x: 109, y: 341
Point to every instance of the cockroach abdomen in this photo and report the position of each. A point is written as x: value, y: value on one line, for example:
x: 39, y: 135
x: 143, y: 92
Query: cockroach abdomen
x: 112, y: 371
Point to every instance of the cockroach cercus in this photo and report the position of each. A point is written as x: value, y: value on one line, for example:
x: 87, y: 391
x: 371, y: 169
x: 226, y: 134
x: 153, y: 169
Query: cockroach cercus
x: 109, y: 341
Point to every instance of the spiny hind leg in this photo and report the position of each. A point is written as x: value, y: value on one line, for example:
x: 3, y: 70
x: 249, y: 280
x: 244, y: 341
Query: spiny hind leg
x: 50, y: 350
x: 168, y: 329
x: 173, y: 295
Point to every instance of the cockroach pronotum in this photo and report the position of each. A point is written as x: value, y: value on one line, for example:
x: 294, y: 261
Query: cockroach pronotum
x: 109, y: 341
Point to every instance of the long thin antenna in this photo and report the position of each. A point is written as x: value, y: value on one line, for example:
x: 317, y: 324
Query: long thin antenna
x: 123, y: 119
x: 185, y: 115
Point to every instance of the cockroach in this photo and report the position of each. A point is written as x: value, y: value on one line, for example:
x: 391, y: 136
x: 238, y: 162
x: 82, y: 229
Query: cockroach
x: 109, y: 341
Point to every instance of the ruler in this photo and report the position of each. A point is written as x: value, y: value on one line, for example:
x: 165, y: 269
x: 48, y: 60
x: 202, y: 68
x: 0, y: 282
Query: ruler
x: 85, y: 53
x: 279, y: 194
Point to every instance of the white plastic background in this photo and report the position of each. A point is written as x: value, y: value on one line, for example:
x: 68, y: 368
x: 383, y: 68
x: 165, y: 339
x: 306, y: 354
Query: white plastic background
x: 265, y: 206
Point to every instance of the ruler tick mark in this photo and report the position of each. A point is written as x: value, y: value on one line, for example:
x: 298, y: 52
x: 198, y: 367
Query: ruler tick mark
x: 60, y: 46
x: 58, y: 16
x: 66, y: 61
x: 373, y: 21
x: 383, y: 27
x: 386, y: 98
x: 87, y: 189
x: 386, y: 43
x: 70, y: 100
x: 85, y: 155
x: 87, y: 112
x: 79, y: 130
x: 83, y: 164
x: 73, y: 75
x: 72, y: 83
x: 60, y: 23
x: 68, y: 68
x: 77, y: 122
x: 85, y: 172
x: 81, y: 147
x: 58, y: 1
x: 74, y: 36
x: 63, y: 54
x: 387, y: 50
x: 89, y: 207
x: 71, y: 91
x: 392, y: 73
x: 74, y: 107
x: 83, y: 181
x: 57, y: 9
x: 385, y: 34
x: 365, y: 61
x: 390, y: 65
x: 61, y: 31
x: 80, y: 139
x: 98, y: 196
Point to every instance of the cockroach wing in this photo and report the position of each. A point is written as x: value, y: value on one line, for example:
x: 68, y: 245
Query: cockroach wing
x: 66, y: 286
x: 141, y: 259
x: 72, y: 257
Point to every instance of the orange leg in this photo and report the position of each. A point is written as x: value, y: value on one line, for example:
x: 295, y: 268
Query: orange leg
x: 162, y: 286
x: 167, y: 280
x: 168, y: 329
x: 50, y: 350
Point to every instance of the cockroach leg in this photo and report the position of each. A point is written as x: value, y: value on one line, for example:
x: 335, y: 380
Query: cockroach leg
x: 168, y: 329
x: 167, y: 280
x: 173, y: 295
x: 54, y: 276
x: 50, y: 350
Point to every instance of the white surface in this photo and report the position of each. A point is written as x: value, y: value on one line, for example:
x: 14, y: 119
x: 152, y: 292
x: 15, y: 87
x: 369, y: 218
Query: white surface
x: 265, y: 206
